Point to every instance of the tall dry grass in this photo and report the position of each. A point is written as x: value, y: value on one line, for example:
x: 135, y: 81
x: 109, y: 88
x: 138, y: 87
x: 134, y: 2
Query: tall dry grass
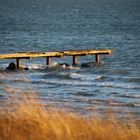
x: 23, y: 118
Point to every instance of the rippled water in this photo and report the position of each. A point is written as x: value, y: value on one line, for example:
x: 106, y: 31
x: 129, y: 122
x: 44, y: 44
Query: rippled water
x: 42, y: 25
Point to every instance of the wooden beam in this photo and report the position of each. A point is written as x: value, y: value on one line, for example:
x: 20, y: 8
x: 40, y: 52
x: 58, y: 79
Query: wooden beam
x: 30, y: 54
x: 75, y: 60
x: 48, y: 60
x: 97, y: 58
x: 85, y: 52
x: 18, y: 63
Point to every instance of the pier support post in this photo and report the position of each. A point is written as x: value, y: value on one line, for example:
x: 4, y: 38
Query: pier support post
x: 18, y: 63
x: 97, y: 57
x: 48, y: 60
x: 75, y: 60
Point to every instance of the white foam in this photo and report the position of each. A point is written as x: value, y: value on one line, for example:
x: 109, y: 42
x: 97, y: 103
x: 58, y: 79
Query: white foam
x: 36, y: 66
x: 85, y: 77
x: 75, y: 75
x: 67, y: 82
x: 56, y: 64
x: 137, y: 105
x: 135, y: 96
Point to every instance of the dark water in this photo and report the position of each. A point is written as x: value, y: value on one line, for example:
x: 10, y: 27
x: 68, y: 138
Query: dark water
x: 42, y: 25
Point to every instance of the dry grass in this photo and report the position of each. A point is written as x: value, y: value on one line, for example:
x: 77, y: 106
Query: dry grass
x: 22, y: 118
x: 25, y: 119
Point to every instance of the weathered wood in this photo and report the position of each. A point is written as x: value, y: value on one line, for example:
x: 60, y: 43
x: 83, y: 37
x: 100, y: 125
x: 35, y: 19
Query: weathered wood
x: 97, y: 58
x: 48, y: 60
x: 18, y: 63
x: 54, y: 54
x: 48, y: 55
x: 86, y: 52
x: 30, y: 54
x: 75, y: 60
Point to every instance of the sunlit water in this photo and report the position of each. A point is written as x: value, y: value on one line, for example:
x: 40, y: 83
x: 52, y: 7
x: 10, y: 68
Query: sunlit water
x: 46, y: 25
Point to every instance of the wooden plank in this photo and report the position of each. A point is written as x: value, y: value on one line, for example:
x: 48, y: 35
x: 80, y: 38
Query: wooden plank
x: 30, y: 54
x: 86, y: 52
x: 53, y: 54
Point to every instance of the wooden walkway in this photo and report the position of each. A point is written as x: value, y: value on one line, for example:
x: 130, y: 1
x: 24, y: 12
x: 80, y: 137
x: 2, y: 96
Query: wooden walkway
x: 27, y: 55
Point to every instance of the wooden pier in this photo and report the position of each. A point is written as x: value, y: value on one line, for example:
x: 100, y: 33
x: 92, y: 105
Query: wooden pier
x: 75, y: 53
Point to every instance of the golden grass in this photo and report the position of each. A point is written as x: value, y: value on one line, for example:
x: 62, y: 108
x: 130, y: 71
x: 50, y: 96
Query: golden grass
x: 23, y: 118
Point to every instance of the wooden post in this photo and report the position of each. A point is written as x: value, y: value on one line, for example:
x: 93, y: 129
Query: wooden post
x: 97, y: 57
x: 18, y: 63
x: 74, y: 60
x: 48, y: 60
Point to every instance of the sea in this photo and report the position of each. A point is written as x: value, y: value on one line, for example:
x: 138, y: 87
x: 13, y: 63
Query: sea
x: 113, y: 84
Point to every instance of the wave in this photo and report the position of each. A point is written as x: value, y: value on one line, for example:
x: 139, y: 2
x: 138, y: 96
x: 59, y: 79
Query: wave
x: 36, y: 66
x: 118, y: 85
x: 85, y: 77
x: 53, y: 65
x: 134, y: 79
x: 82, y: 77
x: 72, y: 79
x: 129, y: 96
x: 124, y: 104
x: 113, y: 103
x: 87, y: 83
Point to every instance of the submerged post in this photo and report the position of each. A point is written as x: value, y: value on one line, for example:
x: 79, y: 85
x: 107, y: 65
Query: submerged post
x: 48, y: 60
x: 18, y: 63
x: 75, y: 60
x: 97, y: 57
